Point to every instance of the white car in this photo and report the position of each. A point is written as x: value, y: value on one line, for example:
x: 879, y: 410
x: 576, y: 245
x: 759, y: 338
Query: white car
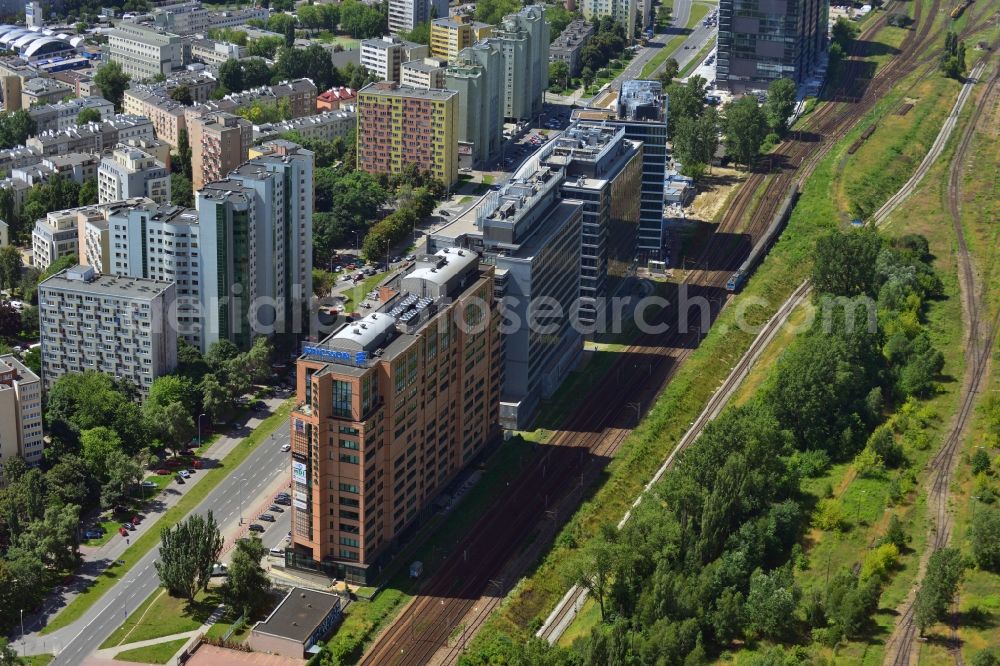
x: 184, y: 474
x: 286, y: 447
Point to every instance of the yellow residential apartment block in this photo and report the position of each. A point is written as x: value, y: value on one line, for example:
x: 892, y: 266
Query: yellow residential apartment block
x: 451, y: 35
x: 399, y: 125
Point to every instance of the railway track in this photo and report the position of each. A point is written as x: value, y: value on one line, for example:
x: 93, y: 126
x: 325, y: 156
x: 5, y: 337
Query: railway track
x: 979, y: 344
x: 436, y: 625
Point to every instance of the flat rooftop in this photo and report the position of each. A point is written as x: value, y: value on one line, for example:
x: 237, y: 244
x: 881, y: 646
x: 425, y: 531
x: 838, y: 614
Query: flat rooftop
x: 391, y: 89
x: 299, y: 614
x: 85, y: 279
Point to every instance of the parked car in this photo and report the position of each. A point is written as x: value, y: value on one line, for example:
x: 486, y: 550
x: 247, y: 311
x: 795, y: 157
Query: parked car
x: 123, y: 531
x: 219, y: 569
x: 93, y: 534
x: 128, y: 526
x: 136, y: 520
x: 183, y: 474
x: 277, y: 552
x: 173, y: 462
x: 197, y: 464
x: 267, y: 518
x: 286, y: 447
x: 163, y: 471
x: 411, y: 257
x: 179, y: 479
x: 284, y: 501
x: 275, y: 508
x: 256, y: 527
x: 150, y: 484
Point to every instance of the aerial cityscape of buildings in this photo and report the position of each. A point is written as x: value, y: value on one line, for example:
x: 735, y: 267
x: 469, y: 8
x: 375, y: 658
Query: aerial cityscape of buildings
x: 333, y: 265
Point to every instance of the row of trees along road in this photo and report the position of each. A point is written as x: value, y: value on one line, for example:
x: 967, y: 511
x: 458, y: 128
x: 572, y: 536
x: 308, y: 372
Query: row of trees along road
x: 102, y: 441
x: 706, y: 562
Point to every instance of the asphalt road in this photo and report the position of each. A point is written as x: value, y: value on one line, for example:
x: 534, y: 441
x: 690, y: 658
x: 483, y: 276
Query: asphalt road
x: 238, y: 491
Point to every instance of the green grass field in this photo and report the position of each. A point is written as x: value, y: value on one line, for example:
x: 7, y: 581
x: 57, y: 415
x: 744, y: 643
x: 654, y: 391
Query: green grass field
x: 159, y: 653
x: 163, y: 615
x: 175, y: 514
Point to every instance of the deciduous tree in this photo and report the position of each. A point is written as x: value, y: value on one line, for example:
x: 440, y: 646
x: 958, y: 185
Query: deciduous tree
x: 187, y: 554
x: 745, y: 128
x: 113, y: 82
x: 247, y: 585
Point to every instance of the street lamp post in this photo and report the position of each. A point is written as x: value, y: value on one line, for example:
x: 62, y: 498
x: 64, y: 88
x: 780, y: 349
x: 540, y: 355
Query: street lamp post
x: 200, y: 416
x: 23, y: 648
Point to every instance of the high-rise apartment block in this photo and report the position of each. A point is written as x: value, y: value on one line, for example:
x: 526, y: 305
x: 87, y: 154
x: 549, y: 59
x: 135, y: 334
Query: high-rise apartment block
x: 602, y: 169
x: 155, y: 241
x: 20, y: 413
x: 523, y: 40
x: 383, y: 56
x: 532, y: 235
x: 220, y: 142
x: 405, y: 15
x: 112, y: 324
x: 624, y: 12
x: 642, y: 111
x: 390, y: 409
x: 241, y: 261
x: 131, y: 172
x: 452, y: 34
x: 257, y: 230
x: 476, y: 75
x: 761, y: 42
x: 145, y: 53
x: 398, y: 126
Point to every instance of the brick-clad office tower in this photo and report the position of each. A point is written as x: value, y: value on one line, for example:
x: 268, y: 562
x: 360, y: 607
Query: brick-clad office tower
x: 390, y: 408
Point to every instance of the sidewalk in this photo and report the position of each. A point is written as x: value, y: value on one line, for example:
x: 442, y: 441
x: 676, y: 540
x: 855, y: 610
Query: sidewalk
x: 96, y: 559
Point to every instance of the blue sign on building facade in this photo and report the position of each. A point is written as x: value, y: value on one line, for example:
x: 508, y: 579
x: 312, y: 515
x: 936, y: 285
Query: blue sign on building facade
x: 358, y: 358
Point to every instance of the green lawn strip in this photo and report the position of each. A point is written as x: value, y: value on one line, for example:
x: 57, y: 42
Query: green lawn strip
x: 364, y: 619
x: 158, y: 653
x: 698, y: 12
x: 163, y: 615
x: 702, y: 54
x: 38, y: 659
x: 175, y: 514
x: 359, y: 292
x: 642, y: 453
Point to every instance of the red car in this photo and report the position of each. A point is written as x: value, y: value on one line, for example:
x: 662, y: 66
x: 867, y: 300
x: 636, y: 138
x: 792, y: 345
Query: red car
x: 135, y: 520
x: 173, y: 463
x: 163, y: 472
x: 197, y: 464
x: 123, y: 531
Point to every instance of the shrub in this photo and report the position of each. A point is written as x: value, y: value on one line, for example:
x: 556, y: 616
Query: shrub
x: 878, y: 563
